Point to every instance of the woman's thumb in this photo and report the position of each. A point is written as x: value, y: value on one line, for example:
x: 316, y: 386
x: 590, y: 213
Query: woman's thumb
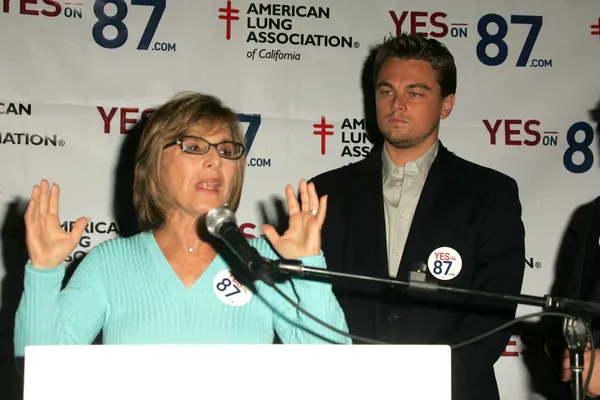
x: 79, y: 227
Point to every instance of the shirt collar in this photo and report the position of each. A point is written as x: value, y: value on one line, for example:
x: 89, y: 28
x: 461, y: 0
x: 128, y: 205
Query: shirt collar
x: 423, y: 163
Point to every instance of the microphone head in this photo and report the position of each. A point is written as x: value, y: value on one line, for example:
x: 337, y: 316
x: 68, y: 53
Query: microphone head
x: 215, y: 219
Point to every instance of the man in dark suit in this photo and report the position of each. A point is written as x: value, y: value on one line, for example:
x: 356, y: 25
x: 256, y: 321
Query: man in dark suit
x: 583, y: 237
x: 413, y: 201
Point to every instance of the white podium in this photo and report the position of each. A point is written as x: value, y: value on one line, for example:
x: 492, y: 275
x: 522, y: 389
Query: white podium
x: 241, y: 372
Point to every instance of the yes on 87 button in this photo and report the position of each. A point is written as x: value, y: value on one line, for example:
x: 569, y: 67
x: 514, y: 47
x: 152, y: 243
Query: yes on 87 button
x: 230, y: 291
x: 444, y: 263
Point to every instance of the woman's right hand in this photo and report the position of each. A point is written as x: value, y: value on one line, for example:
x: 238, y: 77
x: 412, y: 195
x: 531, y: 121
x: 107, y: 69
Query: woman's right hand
x: 48, y: 243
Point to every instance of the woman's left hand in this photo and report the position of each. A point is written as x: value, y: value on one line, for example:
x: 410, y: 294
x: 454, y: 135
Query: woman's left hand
x: 303, y: 236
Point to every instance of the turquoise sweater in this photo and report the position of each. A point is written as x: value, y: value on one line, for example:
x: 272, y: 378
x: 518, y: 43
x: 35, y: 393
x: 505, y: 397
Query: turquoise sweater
x: 126, y: 288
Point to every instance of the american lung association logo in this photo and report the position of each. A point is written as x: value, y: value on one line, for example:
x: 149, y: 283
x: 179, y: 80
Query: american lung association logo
x: 273, y: 24
x: 351, y: 134
x: 10, y: 110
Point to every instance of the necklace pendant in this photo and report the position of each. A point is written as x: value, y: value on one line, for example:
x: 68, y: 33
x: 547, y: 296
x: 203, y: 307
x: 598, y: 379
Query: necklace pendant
x: 190, y: 249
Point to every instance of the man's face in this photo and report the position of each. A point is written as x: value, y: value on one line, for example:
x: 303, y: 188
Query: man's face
x: 409, y: 103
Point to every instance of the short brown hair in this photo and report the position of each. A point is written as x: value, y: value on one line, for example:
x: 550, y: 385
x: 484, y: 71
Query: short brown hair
x: 416, y: 47
x: 185, y: 111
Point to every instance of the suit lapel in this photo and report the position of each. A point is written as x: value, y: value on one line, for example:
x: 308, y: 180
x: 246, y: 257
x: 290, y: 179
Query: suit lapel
x: 367, y: 230
x: 433, y: 204
x: 367, y: 245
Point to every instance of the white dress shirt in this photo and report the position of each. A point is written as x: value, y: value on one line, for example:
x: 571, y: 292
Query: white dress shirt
x: 402, y: 186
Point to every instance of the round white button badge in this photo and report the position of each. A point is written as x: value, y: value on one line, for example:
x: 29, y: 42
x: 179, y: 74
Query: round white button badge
x: 444, y: 263
x: 229, y: 290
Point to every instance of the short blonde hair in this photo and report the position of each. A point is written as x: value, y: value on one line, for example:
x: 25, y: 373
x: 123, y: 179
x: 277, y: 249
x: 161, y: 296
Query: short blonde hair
x: 184, y: 112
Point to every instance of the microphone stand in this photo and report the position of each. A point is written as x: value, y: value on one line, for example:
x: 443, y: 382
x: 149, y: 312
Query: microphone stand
x: 575, y: 335
x: 574, y: 329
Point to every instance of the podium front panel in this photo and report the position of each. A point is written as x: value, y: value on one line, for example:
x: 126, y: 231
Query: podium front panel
x: 240, y: 372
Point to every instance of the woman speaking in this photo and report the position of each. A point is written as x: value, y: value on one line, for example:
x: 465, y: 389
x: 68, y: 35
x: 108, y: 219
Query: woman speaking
x: 166, y: 285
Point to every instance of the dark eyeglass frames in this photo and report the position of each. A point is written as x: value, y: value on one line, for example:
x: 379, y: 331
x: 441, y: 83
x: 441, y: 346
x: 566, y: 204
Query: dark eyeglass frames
x: 195, y: 145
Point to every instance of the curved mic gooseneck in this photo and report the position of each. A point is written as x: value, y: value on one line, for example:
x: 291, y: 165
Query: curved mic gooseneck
x: 221, y: 223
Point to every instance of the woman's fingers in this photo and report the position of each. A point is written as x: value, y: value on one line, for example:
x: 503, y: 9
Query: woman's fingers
x: 79, y: 228
x: 54, y: 196
x: 44, y: 197
x: 32, y: 212
x: 270, y: 233
x: 304, y: 196
x: 322, y: 212
x: 313, y: 198
x: 293, y: 206
x: 309, y: 200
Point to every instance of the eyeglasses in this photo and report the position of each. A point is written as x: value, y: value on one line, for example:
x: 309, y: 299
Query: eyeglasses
x: 195, y: 145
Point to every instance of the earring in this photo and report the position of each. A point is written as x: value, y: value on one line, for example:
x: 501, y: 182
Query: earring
x: 226, y: 204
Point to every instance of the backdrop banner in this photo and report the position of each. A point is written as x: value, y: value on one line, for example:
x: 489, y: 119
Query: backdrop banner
x: 76, y: 77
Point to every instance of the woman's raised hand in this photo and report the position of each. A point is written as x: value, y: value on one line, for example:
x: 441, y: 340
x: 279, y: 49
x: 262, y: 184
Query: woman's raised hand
x: 48, y: 243
x: 303, y: 236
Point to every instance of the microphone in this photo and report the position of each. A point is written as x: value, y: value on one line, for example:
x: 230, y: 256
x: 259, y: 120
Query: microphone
x: 418, y: 284
x: 221, y: 223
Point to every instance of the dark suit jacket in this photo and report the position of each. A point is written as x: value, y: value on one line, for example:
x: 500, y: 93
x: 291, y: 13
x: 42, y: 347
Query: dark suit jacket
x: 579, y: 266
x: 582, y: 243
x: 474, y: 210
x: 582, y: 236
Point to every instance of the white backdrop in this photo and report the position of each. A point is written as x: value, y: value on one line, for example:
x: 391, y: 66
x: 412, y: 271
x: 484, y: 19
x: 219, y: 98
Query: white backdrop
x: 71, y: 85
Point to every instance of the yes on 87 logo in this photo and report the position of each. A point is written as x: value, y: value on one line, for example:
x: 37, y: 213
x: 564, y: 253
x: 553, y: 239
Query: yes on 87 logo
x: 579, y: 149
x: 444, y: 263
x: 111, y: 32
x: 497, y: 40
x: 254, y: 121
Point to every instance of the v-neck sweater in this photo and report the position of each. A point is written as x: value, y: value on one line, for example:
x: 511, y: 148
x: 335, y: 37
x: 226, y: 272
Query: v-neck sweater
x: 126, y: 288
